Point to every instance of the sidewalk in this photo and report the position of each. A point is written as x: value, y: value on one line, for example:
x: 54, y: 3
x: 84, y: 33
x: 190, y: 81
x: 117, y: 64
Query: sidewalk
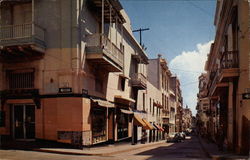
x: 212, y: 151
x: 100, y: 151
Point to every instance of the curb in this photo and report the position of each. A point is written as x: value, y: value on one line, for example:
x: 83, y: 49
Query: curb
x: 96, y: 154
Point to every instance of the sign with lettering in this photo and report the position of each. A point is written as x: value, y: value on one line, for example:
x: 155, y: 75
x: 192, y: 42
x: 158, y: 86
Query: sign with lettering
x: 65, y: 90
x: 246, y: 96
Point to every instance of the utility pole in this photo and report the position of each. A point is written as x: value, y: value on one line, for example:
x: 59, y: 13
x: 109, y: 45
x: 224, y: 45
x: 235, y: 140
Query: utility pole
x: 140, y: 30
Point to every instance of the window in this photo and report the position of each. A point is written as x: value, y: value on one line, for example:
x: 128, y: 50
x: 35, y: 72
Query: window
x: 122, y: 82
x: 22, y: 13
x: 122, y: 47
x: 21, y: 79
x: 143, y: 103
x: 153, y: 107
x: 150, y: 109
x: 98, y: 124
x: 98, y: 85
x: 166, y: 102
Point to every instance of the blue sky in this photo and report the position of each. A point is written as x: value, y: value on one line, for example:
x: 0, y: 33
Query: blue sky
x: 180, y: 30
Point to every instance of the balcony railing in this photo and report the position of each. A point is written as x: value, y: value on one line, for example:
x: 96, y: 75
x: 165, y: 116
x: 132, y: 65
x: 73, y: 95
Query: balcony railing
x: 229, y: 60
x: 138, y: 79
x: 21, y: 33
x: 110, y: 50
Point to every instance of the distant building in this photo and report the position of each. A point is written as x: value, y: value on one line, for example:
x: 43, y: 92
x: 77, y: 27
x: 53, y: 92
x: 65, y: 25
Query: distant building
x: 186, y: 119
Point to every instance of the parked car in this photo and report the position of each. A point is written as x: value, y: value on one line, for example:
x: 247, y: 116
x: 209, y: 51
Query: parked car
x: 174, y: 137
x: 183, y: 135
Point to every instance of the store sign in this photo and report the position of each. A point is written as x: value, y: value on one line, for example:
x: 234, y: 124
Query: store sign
x: 246, y: 96
x: 65, y: 90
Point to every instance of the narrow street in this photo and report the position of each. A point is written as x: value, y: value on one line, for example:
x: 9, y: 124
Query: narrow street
x: 188, y: 149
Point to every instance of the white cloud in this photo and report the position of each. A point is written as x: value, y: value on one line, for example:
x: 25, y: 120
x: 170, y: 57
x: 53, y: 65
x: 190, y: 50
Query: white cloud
x: 188, y: 66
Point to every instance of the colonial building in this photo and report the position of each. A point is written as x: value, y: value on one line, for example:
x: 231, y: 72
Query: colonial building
x: 203, y: 109
x: 160, y: 77
x: 228, y: 74
x: 70, y: 71
x: 186, y: 119
x: 175, y: 86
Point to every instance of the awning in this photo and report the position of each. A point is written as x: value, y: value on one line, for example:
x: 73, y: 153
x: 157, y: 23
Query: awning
x: 103, y: 103
x: 138, y: 121
x: 148, y: 125
x: 161, y: 129
x: 126, y: 111
x: 123, y: 100
x: 156, y: 126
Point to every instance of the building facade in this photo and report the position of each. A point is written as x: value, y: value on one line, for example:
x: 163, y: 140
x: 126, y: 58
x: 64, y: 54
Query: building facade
x: 186, y: 119
x: 228, y: 75
x: 78, y: 78
x: 171, y: 100
x: 203, y: 109
x: 67, y: 77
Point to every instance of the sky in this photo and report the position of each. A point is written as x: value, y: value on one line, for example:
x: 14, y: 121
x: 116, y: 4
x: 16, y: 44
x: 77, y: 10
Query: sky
x: 181, y: 31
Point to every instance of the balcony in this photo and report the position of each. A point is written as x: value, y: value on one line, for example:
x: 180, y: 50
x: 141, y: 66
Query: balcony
x: 102, y: 52
x: 111, y: 10
x: 229, y: 66
x: 22, y: 41
x: 139, y: 81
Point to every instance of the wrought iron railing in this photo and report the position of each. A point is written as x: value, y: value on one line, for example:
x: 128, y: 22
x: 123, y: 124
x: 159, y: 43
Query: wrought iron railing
x: 229, y: 59
x: 102, y: 41
x: 19, y: 31
x: 139, y: 78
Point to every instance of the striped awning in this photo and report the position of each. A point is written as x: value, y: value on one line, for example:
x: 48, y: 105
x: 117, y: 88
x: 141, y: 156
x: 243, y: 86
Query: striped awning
x: 148, y: 125
x: 138, y: 121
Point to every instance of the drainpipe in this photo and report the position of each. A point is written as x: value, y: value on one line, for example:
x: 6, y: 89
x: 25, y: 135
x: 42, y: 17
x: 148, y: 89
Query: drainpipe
x: 33, y: 18
x: 102, y: 29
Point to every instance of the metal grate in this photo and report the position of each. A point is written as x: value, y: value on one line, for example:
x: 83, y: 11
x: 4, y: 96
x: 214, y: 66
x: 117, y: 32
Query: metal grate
x: 21, y: 80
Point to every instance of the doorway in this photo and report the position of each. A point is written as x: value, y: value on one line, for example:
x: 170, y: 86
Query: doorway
x: 23, y: 120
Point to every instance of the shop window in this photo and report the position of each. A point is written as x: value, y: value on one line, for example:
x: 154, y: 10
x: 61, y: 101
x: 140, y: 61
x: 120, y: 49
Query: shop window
x: 98, y: 125
x: 122, y: 125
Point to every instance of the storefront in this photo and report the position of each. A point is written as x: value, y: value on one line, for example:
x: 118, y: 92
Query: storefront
x: 124, y: 117
x: 100, y: 114
x: 137, y: 121
x: 99, y: 124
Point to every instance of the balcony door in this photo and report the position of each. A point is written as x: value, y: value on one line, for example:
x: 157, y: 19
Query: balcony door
x: 22, y: 13
x: 23, y: 121
x: 22, y: 18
